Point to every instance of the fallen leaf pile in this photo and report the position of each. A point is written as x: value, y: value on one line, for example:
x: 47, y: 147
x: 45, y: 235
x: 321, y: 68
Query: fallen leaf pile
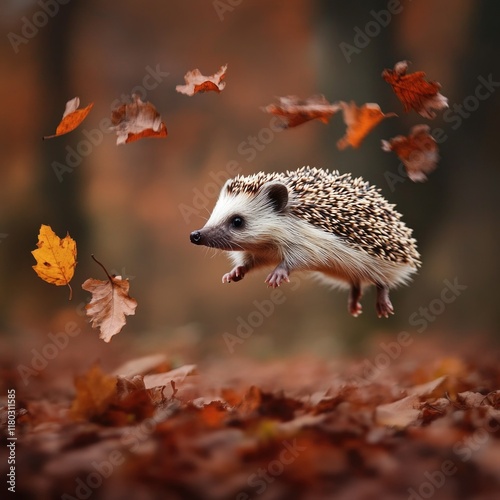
x: 297, y: 428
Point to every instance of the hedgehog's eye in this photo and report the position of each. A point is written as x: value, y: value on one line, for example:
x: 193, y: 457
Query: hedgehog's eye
x: 237, y: 221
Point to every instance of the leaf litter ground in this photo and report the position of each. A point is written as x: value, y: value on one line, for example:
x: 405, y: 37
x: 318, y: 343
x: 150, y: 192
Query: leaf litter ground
x: 425, y: 424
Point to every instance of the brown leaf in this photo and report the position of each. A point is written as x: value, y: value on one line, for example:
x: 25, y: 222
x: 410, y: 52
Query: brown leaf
x: 405, y: 411
x: 360, y: 121
x: 414, y: 91
x: 137, y: 120
x: 162, y: 379
x: 418, y: 152
x: 72, y: 117
x: 140, y: 366
x: 109, y: 305
x: 196, y: 82
x: 294, y: 111
x: 94, y: 391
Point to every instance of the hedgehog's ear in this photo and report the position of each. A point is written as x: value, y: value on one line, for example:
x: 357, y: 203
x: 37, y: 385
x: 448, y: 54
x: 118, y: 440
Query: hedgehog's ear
x: 277, y: 194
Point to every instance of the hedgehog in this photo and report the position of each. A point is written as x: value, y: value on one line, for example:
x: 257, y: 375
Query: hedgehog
x: 333, y: 225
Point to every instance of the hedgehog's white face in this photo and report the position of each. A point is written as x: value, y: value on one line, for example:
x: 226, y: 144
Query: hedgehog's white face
x: 245, y: 221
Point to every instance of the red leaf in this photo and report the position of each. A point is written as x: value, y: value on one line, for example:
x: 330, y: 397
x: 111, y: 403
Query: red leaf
x: 414, y: 91
x: 418, y: 152
x: 196, y: 82
x: 294, y: 111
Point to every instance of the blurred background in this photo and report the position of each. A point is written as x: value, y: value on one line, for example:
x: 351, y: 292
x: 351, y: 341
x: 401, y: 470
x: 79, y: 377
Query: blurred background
x: 134, y: 206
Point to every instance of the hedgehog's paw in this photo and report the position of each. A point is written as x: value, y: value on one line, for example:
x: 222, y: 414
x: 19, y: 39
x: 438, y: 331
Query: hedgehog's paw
x: 383, y: 304
x: 278, y: 276
x: 235, y: 274
x: 353, y: 304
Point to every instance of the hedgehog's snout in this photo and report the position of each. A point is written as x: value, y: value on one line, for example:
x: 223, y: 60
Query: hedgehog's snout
x: 196, y: 237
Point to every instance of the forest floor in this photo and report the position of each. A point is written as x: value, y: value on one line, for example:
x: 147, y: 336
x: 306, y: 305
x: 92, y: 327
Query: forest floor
x: 399, y: 424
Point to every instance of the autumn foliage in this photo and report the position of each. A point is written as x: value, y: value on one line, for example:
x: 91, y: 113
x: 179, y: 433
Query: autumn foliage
x: 300, y: 428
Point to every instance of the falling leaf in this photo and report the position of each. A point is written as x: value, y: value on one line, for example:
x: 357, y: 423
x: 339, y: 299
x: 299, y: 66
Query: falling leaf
x: 137, y: 120
x: 360, y: 121
x: 196, y: 82
x: 94, y: 391
x: 55, y: 257
x: 294, y: 111
x: 109, y: 305
x: 418, y: 152
x: 72, y: 117
x: 414, y: 91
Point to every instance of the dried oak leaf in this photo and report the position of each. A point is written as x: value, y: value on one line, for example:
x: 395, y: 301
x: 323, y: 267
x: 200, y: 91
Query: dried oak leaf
x: 177, y: 375
x: 72, y: 117
x: 55, y: 257
x: 294, y: 111
x: 407, y: 410
x: 418, y: 152
x: 196, y: 82
x: 109, y: 305
x: 137, y: 120
x: 360, y: 121
x: 414, y: 91
x: 94, y: 392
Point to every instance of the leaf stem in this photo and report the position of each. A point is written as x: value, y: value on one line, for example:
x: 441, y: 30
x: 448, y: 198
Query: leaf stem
x: 104, y: 269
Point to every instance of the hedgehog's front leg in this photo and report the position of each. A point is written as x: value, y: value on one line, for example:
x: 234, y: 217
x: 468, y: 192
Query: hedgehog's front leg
x: 353, y: 304
x: 243, y: 262
x: 383, y: 305
x: 278, y: 276
x: 236, y: 274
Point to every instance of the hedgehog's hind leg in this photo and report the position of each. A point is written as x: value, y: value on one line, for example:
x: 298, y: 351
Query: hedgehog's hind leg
x: 353, y: 304
x: 279, y: 275
x: 383, y: 305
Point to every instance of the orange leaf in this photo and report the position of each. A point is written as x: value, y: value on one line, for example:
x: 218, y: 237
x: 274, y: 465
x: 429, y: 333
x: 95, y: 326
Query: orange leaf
x: 136, y: 120
x: 359, y: 121
x: 196, y: 82
x: 294, y: 111
x: 72, y: 117
x: 55, y: 257
x: 94, y: 391
x: 109, y: 305
x: 414, y: 91
x: 418, y: 152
